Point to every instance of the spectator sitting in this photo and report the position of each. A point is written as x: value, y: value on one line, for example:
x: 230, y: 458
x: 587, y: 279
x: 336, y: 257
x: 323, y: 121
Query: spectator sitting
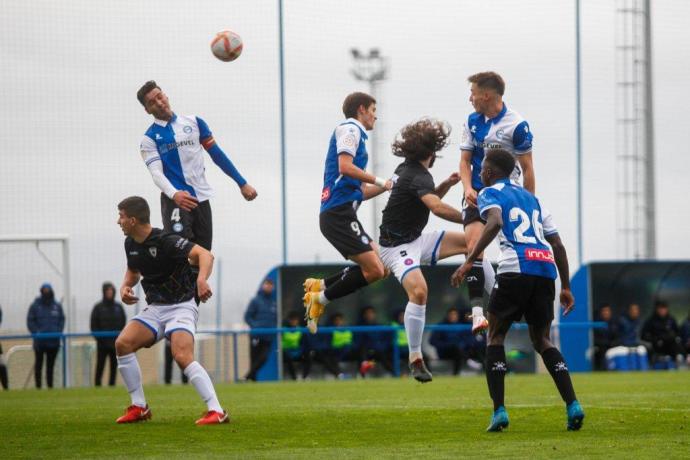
x: 373, y: 346
x: 661, y: 331
x: 292, y: 343
x: 261, y: 313
x: 685, y: 338
x: 45, y: 315
x: 605, y: 339
x: 107, y: 315
x: 341, y: 341
x: 629, y: 329
x: 458, y: 346
x: 318, y: 349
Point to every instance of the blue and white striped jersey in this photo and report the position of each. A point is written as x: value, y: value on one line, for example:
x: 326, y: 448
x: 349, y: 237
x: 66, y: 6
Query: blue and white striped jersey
x: 348, y: 137
x: 507, y: 130
x: 177, y: 144
x: 522, y: 241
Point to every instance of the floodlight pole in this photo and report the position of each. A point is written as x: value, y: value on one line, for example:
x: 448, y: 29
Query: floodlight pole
x: 371, y: 68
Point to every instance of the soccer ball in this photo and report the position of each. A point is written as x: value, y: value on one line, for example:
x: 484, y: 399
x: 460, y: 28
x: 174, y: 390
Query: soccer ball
x: 226, y: 45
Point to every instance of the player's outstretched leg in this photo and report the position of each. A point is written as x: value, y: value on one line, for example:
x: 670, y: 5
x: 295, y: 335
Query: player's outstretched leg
x: 555, y: 364
x: 369, y: 269
x: 454, y: 243
x: 496, y: 369
x: 415, y: 317
x: 182, y: 346
x: 134, y: 336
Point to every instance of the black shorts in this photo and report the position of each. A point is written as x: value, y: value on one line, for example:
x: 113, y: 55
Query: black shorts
x: 470, y: 214
x: 517, y: 295
x: 342, y: 229
x: 197, y: 225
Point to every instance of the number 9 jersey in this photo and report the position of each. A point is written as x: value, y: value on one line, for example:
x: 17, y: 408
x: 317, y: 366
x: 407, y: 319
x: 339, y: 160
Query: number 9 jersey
x: 522, y: 241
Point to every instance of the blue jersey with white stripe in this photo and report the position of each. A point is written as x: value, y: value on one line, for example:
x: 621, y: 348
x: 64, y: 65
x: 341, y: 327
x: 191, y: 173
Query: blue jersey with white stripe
x: 348, y: 138
x: 508, y: 130
x: 522, y: 241
x: 177, y: 144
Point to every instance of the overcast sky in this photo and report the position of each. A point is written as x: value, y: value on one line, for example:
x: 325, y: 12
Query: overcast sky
x: 71, y: 125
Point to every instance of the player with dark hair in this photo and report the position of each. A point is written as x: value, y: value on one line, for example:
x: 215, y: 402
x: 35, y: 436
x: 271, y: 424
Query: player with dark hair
x: 346, y: 185
x: 493, y: 125
x: 404, y: 246
x: 172, y: 149
x: 162, y: 262
x: 525, y: 280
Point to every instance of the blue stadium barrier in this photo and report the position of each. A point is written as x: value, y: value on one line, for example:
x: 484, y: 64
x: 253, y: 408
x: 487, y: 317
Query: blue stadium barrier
x: 235, y: 333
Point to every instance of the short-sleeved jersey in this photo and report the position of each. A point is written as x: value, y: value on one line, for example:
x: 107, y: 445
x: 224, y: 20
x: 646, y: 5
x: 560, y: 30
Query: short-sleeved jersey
x: 507, y: 130
x: 177, y: 144
x: 348, y: 138
x: 522, y: 241
x: 161, y: 259
x: 405, y: 214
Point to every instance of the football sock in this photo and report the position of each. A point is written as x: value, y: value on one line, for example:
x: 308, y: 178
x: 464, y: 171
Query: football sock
x: 198, y: 376
x: 489, y: 275
x: 415, y: 317
x: 496, y: 369
x: 351, y: 280
x: 555, y: 364
x: 338, y: 276
x: 475, y: 283
x: 477, y: 311
x: 131, y: 374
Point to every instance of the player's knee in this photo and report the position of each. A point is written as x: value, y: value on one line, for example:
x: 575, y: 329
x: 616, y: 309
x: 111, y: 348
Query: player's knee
x: 495, y: 339
x: 183, y: 358
x: 374, y: 273
x: 418, y: 295
x: 540, y: 344
x: 123, y: 346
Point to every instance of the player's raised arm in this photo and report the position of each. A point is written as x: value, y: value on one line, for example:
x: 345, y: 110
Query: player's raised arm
x: 221, y: 159
x: 528, y: 178
x: 346, y: 167
x: 441, y: 209
x: 204, y: 260
x: 126, y: 292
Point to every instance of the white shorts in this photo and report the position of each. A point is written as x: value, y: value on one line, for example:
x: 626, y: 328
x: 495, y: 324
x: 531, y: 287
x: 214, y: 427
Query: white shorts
x: 422, y: 251
x: 163, y: 320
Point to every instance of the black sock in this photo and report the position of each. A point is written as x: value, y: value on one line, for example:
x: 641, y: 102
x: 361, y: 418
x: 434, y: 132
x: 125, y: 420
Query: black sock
x: 475, y: 283
x: 554, y: 362
x: 3, y: 376
x: 496, y: 369
x: 352, y: 280
x: 338, y: 276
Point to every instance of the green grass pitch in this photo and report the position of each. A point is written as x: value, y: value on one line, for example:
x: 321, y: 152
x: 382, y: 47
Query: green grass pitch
x: 628, y: 415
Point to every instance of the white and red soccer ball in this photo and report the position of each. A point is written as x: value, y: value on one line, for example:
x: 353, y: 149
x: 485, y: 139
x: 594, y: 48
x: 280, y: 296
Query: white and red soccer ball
x: 226, y: 45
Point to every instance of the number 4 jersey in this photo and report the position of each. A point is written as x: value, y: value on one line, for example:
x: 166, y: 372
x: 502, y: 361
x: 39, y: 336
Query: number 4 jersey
x: 522, y: 241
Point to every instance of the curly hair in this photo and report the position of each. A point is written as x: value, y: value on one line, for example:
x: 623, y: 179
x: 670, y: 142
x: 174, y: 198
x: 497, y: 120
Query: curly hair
x: 421, y: 139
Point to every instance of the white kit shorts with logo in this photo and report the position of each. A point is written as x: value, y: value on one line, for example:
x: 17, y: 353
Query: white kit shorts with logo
x: 423, y: 251
x: 164, y: 319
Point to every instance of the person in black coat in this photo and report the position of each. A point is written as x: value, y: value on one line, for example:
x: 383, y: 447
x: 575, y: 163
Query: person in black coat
x: 374, y: 347
x: 107, y: 315
x: 661, y: 330
x: 3, y: 368
x: 45, y: 315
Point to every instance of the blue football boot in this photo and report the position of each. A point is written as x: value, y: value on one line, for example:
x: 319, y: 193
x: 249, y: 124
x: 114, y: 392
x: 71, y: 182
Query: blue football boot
x: 499, y: 420
x: 575, y: 416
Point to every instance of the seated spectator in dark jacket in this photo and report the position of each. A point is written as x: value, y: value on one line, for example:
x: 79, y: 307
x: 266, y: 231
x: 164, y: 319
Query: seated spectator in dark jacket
x: 629, y: 326
x: 459, y: 347
x: 261, y: 313
x: 292, y: 343
x: 685, y: 337
x: 661, y: 331
x: 45, y: 315
x: 605, y: 338
x: 374, y: 347
x: 318, y: 348
x: 107, y: 315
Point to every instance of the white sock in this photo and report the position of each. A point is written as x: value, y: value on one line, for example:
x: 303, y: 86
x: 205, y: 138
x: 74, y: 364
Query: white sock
x: 415, y: 317
x: 131, y: 374
x: 477, y: 311
x: 198, y: 376
x: 323, y: 300
x: 489, y: 275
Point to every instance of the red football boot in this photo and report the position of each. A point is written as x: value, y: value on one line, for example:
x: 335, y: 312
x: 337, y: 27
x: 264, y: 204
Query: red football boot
x: 135, y: 414
x: 214, y: 418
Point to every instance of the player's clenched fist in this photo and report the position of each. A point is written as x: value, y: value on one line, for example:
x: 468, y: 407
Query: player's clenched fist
x: 127, y: 294
x: 203, y: 290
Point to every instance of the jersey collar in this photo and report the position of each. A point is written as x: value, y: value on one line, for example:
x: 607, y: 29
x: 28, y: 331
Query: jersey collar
x: 505, y: 180
x: 163, y: 122
x: 497, y: 117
